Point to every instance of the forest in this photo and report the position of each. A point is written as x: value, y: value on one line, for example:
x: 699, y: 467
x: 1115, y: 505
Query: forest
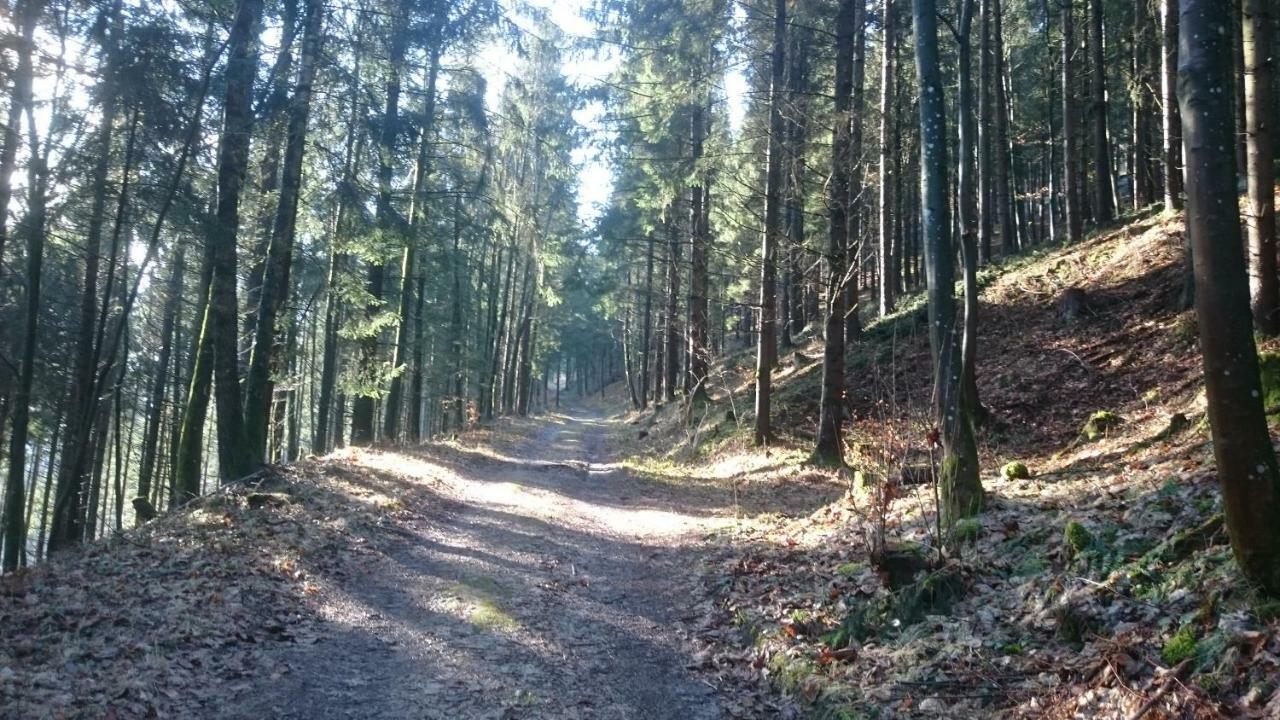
x: 639, y: 359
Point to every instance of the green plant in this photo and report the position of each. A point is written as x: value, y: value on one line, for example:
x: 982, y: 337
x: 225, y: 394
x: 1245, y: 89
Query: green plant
x: 1181, y: 646
x: 1078, y: 537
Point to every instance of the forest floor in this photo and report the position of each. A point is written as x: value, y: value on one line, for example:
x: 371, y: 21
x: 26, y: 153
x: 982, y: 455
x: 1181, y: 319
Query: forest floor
x: 1097, y: 582
x: 513, y: 573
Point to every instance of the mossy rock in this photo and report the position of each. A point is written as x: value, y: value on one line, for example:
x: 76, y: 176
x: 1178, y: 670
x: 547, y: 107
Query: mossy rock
x: 1077, y: 537
x: 1269, y: 370
x: 1015, y: 470
x: 1098, y: 424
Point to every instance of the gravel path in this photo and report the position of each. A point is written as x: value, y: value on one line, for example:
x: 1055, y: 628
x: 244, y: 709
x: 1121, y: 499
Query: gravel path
x: 532, y: 581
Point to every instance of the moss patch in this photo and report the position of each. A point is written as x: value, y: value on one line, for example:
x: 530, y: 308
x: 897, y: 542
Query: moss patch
x: 1015, y: 470
x: 1098, y: 424
x: 1181, y: 646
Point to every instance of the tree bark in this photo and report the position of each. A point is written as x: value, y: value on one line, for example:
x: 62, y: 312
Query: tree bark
x: 1260, y: 172
x: 960, y: 487
x: 1104, y: 206
x: 235, y: 459
x: 766, y: 351
x: 888, y: 145
x: 829, y: 447
x: 1070, y: 166
x: 265, y: 359
x: 1169, y: 113
x: 1247, y: 468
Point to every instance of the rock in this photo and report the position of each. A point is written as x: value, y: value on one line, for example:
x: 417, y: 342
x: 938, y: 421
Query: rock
x: 1073, y: 303
x: 266, y: 499
x: 1015, y: 470
x: 933, y: 706
x: 1098, y: 424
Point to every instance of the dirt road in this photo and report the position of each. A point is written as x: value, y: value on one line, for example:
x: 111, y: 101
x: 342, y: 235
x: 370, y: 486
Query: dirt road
x: 532, y: 579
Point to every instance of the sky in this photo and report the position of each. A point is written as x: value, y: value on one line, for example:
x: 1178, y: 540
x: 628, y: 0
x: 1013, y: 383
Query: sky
x: 595, y: 177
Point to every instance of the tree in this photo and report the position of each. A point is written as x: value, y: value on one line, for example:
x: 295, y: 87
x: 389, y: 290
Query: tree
x: 1104, y: 208
x: 958, y: 477
x: 766, y: 351
x: 1260, y: 173
x: 1070, y: 176
x: 1172, y: 142
x: 1247, y: 467
x: 829, y: 447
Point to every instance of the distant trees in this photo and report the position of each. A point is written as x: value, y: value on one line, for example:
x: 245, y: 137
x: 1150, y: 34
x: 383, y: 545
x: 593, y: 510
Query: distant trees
x: 1247, y: 467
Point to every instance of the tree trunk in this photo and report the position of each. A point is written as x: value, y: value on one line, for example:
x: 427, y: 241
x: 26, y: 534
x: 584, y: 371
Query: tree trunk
x: 672, y: 365
x: 766, y: 351
x: 699, y: 356
x: 1104, y: 206
x: 265, y: 359
x: 155, y: 399
x: 888, y: 145
x: 1261, y: 215
x: 33, y: 227
x: 235, y: 458
x: 968, y: 211
x: 1247, y: 468
x: 1070, y: 179
x: 1169, y: 113
x: 364, y: 409
x: 829, y: 447
x: 960, y: 487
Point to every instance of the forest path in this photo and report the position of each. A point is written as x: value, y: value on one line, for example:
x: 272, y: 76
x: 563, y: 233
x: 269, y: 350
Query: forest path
x: 535, y: 579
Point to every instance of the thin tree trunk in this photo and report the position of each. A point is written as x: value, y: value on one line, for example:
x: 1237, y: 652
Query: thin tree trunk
x: 888, y: 145
x: 1169, y: 113
x: 766, y: 350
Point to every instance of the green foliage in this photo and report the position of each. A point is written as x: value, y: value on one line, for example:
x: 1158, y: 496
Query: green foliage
x: 1077, y: 537
x: 966, y: 531
x: 1183, y: 645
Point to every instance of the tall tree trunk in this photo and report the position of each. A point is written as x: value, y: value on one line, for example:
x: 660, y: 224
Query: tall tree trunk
x: 408, y: 262
x: 699, y: 356
x: 766, y: 351
x: 646, y: 343
x: 1169, y: 113
x: 986, y: 130
x: 829, y: 447
x: 1070, y: 180
x: 143, y: 508
x: 854, y: 240
x: 265, y: 359
x: 235, y: 458
x: 1003, y: 189
x: 1247, y: 468
x: 33, y: 228
x: 1261, y: 215
x: 673, y: 343
x: 364, y: 409
x: 968, y: 202
x: 1104, y: 206
x: 960, y: 487
x: 888, y: 145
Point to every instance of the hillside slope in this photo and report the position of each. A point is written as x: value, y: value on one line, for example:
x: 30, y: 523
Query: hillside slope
x: 1099, y: 578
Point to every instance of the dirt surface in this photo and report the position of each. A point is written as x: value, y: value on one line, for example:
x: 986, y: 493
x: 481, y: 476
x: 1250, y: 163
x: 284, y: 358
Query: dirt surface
x: 525, y: 578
